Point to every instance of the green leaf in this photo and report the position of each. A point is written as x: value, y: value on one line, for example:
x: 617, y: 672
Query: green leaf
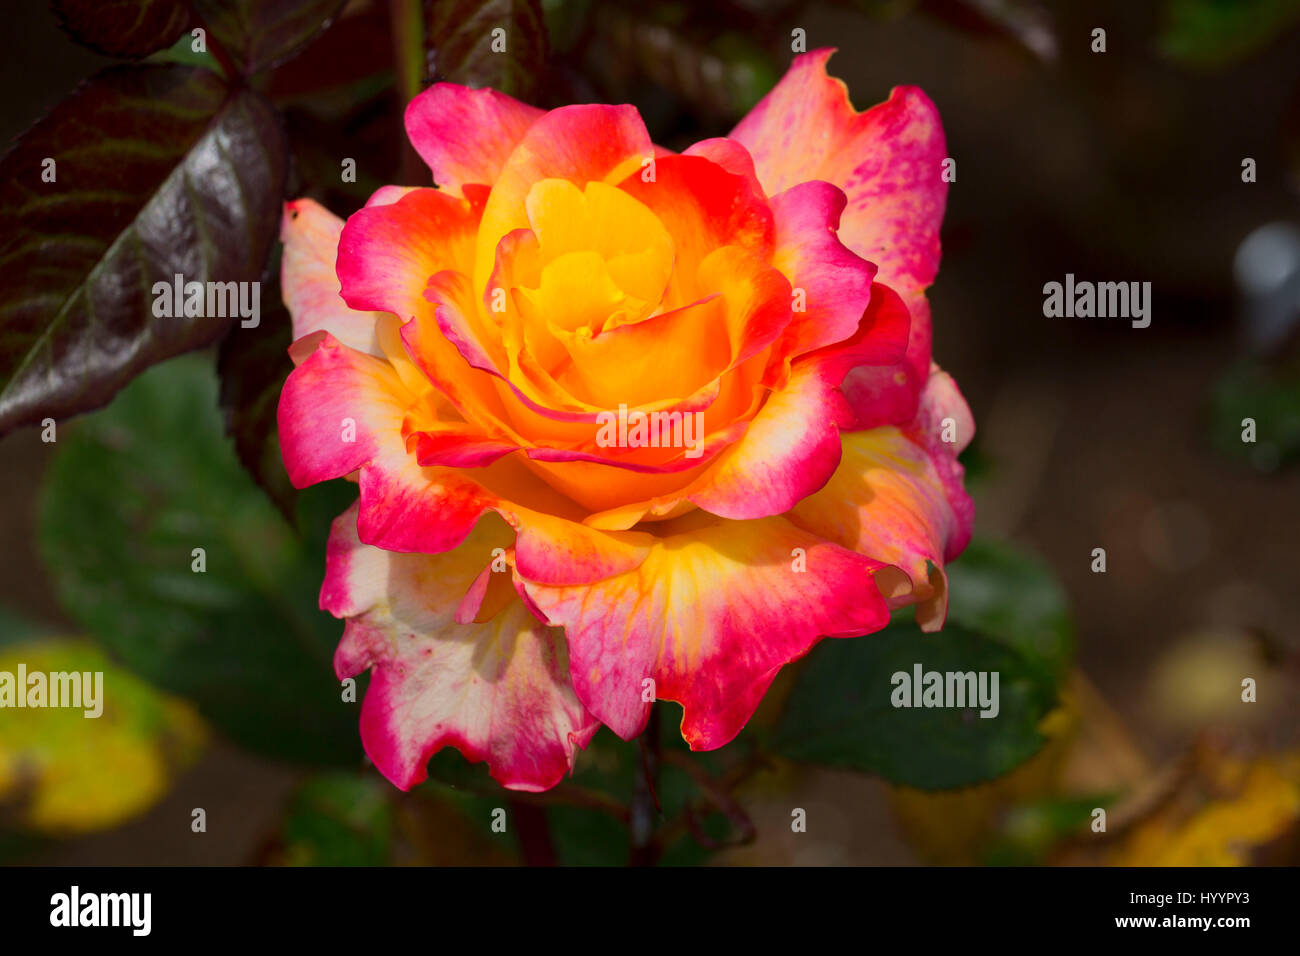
x: 130, y: 495
x: 159, y: 170
x: 1211, y: 33
x: 841, y: 713
x: 62, y: 772
x: 340, y: 820
x: 127, y: 28
x: 261, y: 34
x: 252, y: 365
x: 1012, y: 596
x: 460, y: 37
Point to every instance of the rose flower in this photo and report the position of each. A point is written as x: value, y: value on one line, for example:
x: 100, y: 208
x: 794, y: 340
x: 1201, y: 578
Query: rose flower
x: 626, y: 424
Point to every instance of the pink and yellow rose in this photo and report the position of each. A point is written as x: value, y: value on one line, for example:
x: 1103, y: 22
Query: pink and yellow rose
x: 516, y: 571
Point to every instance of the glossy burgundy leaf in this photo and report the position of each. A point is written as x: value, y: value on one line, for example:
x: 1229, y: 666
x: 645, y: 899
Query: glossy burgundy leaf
x: 158, y: 170
x: 128, y: 28
x: 358, y: 48
x: 463, y: 45
x: 259, y: 34
x: 252, y: 365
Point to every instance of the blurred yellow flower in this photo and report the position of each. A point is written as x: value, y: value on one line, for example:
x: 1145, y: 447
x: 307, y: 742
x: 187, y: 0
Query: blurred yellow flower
x: 62, y: 772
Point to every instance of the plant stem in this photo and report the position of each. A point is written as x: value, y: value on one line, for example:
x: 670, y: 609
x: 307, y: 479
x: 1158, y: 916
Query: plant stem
x: 643, y: 850
x: 407, y: 24
x: 717, y: 792
x: 534, y: 833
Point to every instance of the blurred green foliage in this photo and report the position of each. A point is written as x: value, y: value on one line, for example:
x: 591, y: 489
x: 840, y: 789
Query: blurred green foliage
x: 1269, y: 396
x: 134, y: 491
x: 338, y: 819
x: 1215, y: 33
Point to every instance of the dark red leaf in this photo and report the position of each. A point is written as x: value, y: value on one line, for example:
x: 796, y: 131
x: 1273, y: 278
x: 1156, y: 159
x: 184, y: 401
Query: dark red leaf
x: 129, y: 28
x: 159, y: 170
x: 252, y: 365
x: 260, y: 34
x: 464, y: 38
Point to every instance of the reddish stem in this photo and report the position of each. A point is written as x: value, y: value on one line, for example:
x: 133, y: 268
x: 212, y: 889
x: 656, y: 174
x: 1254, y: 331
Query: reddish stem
x: 643, y: 849
x: 534, y: 833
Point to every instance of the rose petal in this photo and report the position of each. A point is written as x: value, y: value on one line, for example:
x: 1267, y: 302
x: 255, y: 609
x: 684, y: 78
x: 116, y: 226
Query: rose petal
x: 310, y: 234
x: 891, y: 396
x: 897, y: 497
x: 888, y: 160
x: 835, y: 283
x: 464, y: 135
x: 791, y: 446
x: 496, y: 691
x: 386, y: 253
x: 710, y: 615
x: 581, y: 144
x: 703, y: 207
x: 342, y: 411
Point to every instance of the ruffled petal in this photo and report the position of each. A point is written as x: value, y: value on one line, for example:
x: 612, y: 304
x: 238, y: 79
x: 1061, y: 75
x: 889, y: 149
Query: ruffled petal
x: 833, y: 285
x: 496, y: 691
x: 710, y: 615
x: 342, y: 411
x: 891, y: 396
x: 459, y: 445
x: 387, y: 252
x: 390, y: 257
x: 337, y: 410
x: 897, y: 497
x: 731, y: 155
x: 387, y: 195
x: 310, y: 234
x: 791, y: 447
x: 464, y: 135
x: 888, y: 160
x: 552, y: 551
x: 581, y: 144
